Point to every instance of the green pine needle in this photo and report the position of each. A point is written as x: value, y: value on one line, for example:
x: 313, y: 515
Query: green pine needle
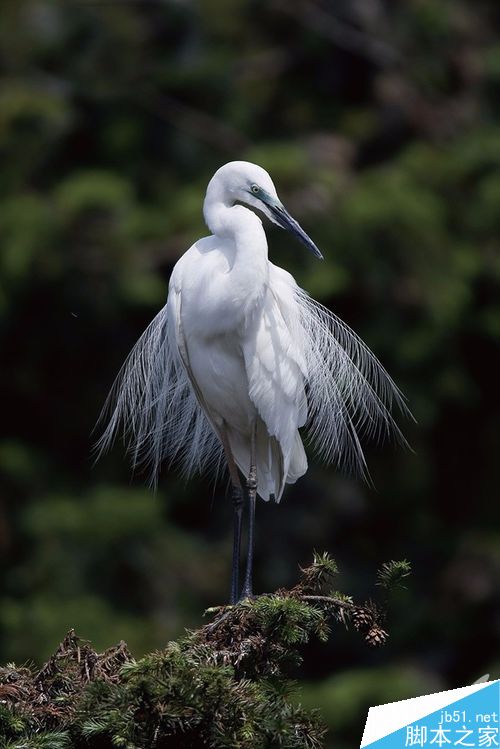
x: 392, y: 574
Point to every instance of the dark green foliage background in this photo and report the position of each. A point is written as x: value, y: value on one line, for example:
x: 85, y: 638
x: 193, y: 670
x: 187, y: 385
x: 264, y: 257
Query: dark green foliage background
x: 379, y: 124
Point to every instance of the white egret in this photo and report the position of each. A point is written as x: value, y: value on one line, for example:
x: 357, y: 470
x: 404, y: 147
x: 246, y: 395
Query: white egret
x: 240, y: 358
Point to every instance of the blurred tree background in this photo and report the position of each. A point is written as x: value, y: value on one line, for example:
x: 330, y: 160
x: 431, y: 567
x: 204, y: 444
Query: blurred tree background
x: 379, y: 122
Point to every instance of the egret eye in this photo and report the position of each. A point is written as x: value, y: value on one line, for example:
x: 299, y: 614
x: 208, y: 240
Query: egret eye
x: 255, y: 189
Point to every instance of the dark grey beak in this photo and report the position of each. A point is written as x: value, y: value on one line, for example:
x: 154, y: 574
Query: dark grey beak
x: 283, y: 219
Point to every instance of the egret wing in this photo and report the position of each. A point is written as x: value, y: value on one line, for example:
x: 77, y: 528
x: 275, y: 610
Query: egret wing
x: 276, y: 371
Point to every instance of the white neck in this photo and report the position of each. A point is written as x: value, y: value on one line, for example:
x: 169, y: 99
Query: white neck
x: 236, y: 223
x: 243, y: 242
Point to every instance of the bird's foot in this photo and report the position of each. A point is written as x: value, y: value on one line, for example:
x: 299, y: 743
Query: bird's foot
x: 246, y: 595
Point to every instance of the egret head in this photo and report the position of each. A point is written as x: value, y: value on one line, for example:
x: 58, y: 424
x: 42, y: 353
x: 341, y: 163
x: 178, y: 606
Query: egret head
x: 250, y: 185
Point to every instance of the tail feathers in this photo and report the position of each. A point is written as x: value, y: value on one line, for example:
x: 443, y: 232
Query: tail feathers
x: 273, y: 468
x: 298, y: 461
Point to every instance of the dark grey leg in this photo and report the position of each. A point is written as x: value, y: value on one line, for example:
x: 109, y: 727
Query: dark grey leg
x: 252, y: 496
x: 237, y: 520
x: 237, y: 514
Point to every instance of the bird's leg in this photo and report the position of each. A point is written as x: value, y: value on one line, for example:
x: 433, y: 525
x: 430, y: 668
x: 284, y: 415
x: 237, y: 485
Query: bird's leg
x: 237, y: 520
x: 252, y: 496
x: 237, y: 496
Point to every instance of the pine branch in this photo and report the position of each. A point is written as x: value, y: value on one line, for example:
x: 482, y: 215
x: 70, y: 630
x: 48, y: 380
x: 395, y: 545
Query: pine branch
x: 226, y: 684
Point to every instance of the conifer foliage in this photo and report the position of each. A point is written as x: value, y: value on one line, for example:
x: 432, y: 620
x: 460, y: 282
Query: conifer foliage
x: 224, y: 685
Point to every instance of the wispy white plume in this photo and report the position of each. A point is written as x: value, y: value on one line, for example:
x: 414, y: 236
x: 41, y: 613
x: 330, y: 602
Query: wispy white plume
x: 350, y: 396
x: 153, y: 406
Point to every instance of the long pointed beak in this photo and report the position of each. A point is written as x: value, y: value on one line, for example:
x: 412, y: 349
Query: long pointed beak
x: 283, y: 219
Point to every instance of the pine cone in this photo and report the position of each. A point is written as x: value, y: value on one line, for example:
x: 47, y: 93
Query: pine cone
x: 362, y: 618
x: 376, y: 636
